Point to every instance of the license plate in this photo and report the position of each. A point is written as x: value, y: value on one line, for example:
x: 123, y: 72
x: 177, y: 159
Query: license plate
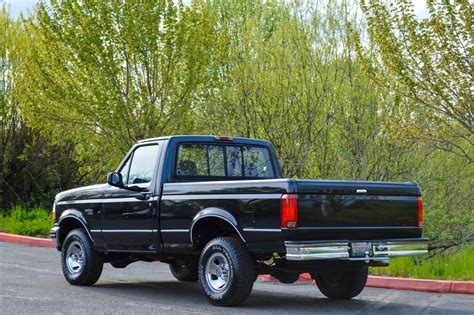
x: 361, y: 249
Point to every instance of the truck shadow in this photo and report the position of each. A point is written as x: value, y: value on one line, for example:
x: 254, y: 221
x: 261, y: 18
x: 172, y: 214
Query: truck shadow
x: 186, y: 297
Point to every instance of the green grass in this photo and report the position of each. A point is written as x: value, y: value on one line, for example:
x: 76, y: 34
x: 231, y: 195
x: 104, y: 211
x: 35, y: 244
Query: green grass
x: 453, y: 264
x: 18, y: 220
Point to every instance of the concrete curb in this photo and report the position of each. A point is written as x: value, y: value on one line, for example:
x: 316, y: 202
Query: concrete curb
x: 28, y: 240
x: 438, y: 286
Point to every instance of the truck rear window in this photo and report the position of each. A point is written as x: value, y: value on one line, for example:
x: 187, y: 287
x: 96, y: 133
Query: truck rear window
x: 236, y: 161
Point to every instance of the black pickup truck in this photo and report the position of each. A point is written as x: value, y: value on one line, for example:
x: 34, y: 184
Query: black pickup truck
x: 218, y: 211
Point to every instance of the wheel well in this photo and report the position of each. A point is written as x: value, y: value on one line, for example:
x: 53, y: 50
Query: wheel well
x: 208, y: 228
x: 67, y: 225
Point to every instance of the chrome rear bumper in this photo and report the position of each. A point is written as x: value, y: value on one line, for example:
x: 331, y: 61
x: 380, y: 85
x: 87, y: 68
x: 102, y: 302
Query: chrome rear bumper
x: 382, y: 250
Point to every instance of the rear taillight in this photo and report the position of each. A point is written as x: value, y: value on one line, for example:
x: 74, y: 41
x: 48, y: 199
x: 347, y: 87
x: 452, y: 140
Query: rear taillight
x: 420, y: 211
x: 289, y: 211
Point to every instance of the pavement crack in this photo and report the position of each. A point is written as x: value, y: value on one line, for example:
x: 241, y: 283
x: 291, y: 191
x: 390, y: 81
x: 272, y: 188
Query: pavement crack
x: 377, y: 303
x: 434, y: 299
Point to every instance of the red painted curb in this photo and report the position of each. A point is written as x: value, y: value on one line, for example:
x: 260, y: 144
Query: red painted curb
x: 28, y: 240
x: 466, y: 287
x: 439, y: 286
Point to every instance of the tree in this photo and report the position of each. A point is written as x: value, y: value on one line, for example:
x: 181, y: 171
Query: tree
x: 426, y: 67
x: 271, y: 82
x: 428, y: 64
x: 31, y: 170
x: 104, y: 74
x: 10, y: 120
x: 93, y: 77
x: 289, y: 74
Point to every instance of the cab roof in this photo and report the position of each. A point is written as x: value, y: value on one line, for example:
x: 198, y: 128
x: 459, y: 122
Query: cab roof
x: 220, y: 139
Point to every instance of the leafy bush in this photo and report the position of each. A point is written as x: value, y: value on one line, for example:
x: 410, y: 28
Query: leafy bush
x: 19, y: 220
x: 453, y: 264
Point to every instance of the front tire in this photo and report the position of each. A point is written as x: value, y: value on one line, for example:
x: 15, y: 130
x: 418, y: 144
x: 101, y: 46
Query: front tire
x: 226, y: 272
x: 342, y: 285
x: 81, y: 263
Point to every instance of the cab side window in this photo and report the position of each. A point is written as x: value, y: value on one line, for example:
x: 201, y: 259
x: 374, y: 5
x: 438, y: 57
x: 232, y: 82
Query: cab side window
x: 200, y: 160
x: 125, y: 170
x: 192, y: 160
x: 142, y: 165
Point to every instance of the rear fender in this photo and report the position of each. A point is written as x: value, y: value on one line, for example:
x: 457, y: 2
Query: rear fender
x: 216, y: 213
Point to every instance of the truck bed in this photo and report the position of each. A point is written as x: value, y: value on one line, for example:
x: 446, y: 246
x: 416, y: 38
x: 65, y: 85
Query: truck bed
x: 347, y: 209
x: 327, y: 210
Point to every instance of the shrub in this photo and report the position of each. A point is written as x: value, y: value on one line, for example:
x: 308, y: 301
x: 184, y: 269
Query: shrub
x: 19, y: 220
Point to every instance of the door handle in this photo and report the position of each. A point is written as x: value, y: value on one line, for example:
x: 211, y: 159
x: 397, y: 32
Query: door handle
x: 143, y: 196
x: 142, y: 213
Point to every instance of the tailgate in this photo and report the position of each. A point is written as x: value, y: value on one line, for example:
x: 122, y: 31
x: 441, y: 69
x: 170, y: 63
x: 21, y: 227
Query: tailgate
x: 364, y: 210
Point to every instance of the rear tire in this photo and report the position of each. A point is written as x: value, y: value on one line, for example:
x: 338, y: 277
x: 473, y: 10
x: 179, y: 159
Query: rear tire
x: 226, y: 272
x: 342, y: 285
x: 81, y: 263
x: 185, y: 269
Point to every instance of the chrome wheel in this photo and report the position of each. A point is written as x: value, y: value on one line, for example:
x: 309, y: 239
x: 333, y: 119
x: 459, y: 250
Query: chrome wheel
x: 217, y: 272
x: 75, y: 257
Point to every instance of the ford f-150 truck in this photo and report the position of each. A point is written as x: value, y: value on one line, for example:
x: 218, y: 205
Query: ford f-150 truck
x: 218, y: 211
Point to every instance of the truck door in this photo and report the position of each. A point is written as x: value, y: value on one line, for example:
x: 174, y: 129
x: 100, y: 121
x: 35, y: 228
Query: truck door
x: 130, y: 218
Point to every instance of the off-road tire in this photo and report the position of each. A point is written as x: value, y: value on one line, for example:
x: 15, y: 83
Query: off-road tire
x: 342, y: 285
x: 240, y: 266
x: 92, y: 261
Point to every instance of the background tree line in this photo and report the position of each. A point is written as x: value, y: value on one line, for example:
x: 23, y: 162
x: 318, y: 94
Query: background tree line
x: 343, y: 90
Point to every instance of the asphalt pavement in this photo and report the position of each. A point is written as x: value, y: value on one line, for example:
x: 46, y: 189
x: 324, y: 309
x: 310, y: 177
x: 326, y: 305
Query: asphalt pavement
x: 31, y: 282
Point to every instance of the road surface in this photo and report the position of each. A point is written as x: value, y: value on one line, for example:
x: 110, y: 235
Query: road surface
x: 31, y: 282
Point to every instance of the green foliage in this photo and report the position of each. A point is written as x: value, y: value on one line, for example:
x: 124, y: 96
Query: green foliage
x: 31, y: 168
x: 11, y: 123
x: 448, y: 190
x: 23, y: 221
x: 454, y: 264
x: 428, y: 63
x: 105, y: 74
x: 387, y: 98
x: 289, y: 75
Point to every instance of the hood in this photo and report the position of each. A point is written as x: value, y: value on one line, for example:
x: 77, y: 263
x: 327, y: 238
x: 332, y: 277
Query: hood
x: 86, y: 192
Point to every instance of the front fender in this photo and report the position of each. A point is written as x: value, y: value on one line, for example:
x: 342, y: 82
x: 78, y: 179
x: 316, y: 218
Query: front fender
x: 73, y: 214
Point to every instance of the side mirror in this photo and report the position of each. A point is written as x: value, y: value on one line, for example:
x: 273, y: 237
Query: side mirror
x: 115, y: 179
